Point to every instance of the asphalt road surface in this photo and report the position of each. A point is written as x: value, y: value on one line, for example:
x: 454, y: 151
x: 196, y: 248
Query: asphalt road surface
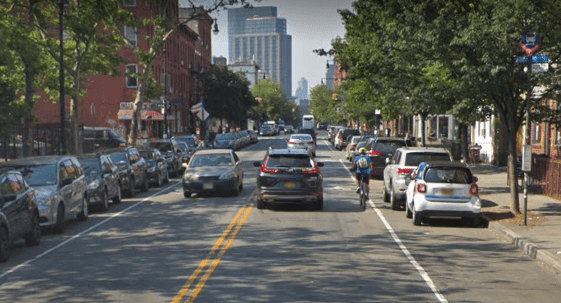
x: 161, y: 247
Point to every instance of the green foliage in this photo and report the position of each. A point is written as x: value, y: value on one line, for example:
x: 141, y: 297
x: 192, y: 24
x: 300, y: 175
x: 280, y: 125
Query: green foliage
x: 272, y: 105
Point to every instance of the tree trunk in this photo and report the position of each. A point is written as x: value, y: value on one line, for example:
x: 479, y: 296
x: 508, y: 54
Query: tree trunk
x: 137, y: 105
x: 464, y: 142
x: 27, y: 140
x: 511, y: 174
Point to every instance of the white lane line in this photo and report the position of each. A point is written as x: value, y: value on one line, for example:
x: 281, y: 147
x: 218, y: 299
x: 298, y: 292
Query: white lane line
x: 404, y: 249
x: 50, y: 250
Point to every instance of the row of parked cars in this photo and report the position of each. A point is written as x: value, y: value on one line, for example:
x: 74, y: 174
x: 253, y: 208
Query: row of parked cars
x: 45, y: 192
x: 425, y: 181
x: 235, y: 140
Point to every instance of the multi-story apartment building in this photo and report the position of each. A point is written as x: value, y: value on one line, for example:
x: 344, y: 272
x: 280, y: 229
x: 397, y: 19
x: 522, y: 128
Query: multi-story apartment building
x: 108, y: 100
x: 258, y: 35
x: 302, y: 89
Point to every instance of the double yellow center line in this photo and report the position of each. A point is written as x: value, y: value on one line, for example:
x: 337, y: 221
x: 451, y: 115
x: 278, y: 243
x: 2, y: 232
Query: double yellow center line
x: 215, y: 254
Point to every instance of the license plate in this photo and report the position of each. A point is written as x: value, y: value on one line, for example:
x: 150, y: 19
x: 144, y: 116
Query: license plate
x: 208, y: 186
x: 446, y: 191
x: 290, y: 185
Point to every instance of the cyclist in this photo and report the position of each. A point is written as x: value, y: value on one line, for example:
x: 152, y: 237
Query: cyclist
x: 362, y: 165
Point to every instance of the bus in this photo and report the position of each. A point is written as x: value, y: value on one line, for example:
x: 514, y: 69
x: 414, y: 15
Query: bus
x: 308, y: 121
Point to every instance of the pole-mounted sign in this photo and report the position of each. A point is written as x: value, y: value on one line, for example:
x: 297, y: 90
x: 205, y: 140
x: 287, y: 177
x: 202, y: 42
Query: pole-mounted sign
x: 530, y: 43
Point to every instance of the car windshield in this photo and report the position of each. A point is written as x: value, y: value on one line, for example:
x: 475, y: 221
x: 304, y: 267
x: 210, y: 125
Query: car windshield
x: 119, y: 157
x: 39, y: 174
x: 414, y: 159
x: 387, y: 146
x: 459, y: 175
x: 183, y: 147
x: 289, y: 161
x: 90, y: 165
x: 187, y: 140
x: 164, y: 147
x: 228, y: 136
x: 211, y: 160
x: 148, y: 155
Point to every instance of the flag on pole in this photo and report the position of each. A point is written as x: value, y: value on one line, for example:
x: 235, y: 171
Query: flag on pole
x: 197, y: 107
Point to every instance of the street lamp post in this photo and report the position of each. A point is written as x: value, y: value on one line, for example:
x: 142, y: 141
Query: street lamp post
x: 61, y: 5
x: 166, y: 131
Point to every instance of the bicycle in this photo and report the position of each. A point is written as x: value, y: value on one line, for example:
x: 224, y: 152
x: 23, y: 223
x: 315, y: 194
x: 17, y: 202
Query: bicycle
x: 362, y: 192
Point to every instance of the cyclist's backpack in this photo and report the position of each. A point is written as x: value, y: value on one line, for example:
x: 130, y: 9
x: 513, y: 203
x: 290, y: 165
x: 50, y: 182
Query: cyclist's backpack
x: 362, y: 163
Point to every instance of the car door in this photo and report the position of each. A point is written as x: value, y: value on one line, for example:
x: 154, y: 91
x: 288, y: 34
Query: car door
x: 13, y: 210
x: 65, y: 191
x: 109, y: 175
x: 238, y: 169
x: 74, y: 200
x: 389, y: 170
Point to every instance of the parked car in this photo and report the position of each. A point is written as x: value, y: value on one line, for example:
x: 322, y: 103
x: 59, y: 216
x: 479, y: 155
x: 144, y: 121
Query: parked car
x: 308, y: 131
x: 95, y: 138
x: 402, y: 163
x: 379, y: 149
x: 19, y: 212
x: 352, y: 144
x: 302, y: 141
x: 213, y: 171
x: 60, y: 188
x: 132, y: 169
x: 253, y: 136
x: 442, y: 189
x: 332, y: 132
x: 192, y: 142
x: 226, y: 140
x: 289, y: 176
x: 343, y: 135
x: 157, y: 167
x: 171, y: 153
x: 103, y: 180
x: 185, y: 151
x: 266, y: 130
x: 289, y: 129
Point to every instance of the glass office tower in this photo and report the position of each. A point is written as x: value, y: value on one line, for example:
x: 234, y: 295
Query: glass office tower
x: 257, y: 35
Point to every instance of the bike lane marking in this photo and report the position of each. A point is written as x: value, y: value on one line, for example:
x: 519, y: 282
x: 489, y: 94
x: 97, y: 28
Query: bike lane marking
x: 220, y: 247
x: 404, y: 249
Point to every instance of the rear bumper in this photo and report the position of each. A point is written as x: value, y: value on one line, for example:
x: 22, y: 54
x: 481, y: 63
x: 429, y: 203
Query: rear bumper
x: 299, y: 196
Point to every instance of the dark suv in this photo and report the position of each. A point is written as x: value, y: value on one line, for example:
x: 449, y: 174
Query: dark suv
x: 171, y: 152
x: 380, y: 148
x: 103, y: 180
x: 132, y: 169
x: 289, y: 175
x: 19, y: 213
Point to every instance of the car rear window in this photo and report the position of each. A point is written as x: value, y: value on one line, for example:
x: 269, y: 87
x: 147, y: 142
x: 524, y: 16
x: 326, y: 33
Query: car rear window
x: 414, y: 159
x: 387, y: 146
x: 301, y: 137
x: 289, y: 161
x: 448, y: 175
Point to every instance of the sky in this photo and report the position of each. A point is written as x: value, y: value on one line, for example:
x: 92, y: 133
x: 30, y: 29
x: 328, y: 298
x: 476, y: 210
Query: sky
x: 312, y: 25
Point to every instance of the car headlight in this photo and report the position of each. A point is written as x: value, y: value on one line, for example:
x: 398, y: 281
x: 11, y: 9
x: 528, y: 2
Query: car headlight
x: 190, y: 177
x: 94, y: 184
x: 152, y: 169
x: 228, y: 175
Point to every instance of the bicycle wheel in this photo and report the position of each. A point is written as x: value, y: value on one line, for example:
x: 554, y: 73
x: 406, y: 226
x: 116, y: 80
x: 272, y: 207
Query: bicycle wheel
x: 363, y: 196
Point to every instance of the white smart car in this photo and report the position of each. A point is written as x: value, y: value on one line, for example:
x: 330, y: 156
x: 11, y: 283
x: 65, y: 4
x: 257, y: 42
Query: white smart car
x: 439, y: 189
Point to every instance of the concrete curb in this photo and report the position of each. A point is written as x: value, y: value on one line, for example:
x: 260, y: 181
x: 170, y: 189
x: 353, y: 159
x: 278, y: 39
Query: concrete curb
x: 525, y: 245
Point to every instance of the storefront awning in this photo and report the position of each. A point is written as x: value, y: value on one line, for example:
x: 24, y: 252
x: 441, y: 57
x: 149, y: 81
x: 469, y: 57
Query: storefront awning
x: 125, y: 114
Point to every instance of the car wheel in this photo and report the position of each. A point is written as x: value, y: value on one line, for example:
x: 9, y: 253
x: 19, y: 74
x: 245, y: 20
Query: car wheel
x: 386, y: 197
x: 166, y: 179
x: 187, y: 194
x: 105, y: 201
x: 236, y: 191
x: 145, y: 185
x: 393, y: 200
x: 408, y: 213
x: 261, y: 204
x: 33, y: 238
x: 131, y: 188
x: 4, y: 245
x: 475, y: 221
x: 319, y: 204
x: 158, y: 181
x: 59, y: 224
x: 118, y: 197
x: 416, y: 217
x: 84, y: 214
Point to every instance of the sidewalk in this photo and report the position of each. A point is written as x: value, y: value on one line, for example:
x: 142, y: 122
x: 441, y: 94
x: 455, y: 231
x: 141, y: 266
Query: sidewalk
x: 541, y: 237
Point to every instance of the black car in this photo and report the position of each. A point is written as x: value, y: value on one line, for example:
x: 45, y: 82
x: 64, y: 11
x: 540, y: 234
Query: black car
x: 307, y: 131
x: 379, y: 149
x: 289, y: 176
x: 192, y: 143
x: 133, y: 170
x: 103, y: 180
x: 19, y: 213
x: 157, y: 166
x: 171, y: 152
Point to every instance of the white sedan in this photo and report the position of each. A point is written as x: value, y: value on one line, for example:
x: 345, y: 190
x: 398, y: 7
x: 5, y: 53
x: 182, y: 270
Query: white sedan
x: 302, y: 141
x: 440, y: 189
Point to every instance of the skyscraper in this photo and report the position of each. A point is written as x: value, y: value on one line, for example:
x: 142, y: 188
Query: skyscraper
x: 258, y: 35
x: 302, y: 89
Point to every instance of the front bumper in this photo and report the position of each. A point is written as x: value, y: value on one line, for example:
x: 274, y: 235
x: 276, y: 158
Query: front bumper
x: 95, y: 195
x: 47, y: 214
x: 209, y: 186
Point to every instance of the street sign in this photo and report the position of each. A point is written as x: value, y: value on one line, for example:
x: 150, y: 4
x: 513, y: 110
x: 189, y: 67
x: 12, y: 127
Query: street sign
x: 530, y: 43
x: 540, y: 58
x: 540, y: 67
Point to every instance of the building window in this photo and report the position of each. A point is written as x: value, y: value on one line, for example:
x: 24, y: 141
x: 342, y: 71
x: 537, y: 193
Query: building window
x: 536, y: 133
x: 558, y: 135
x: 130, y: 34
x: 129, y: 3
x: 132, y: 80
x: 482, y: 130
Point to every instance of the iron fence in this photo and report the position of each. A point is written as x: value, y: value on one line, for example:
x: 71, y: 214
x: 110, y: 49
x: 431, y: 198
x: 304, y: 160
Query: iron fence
x: 46, y: 141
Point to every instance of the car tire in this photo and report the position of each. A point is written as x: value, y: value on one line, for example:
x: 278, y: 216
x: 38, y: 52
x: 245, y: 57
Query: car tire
x: 408, y: 213
x: 158, y: 181
x: 187, y: 194
x: 166, y: 179
x: 104, y: 206
x: 146, y: 184
x: 261, y: 204
x: 386, y: 197
x: 118, y: 197
x: 59, y: 224
x: 394, y: 202
x: 319, y: 204
x: 130, y: 192
x: 84, y: 214
x: 416, y: 217
x: 236, y: 191
x: 4, y: 245
x: 33, y: 237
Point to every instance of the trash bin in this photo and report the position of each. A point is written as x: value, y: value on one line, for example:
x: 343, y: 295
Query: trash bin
x: 475, y: 154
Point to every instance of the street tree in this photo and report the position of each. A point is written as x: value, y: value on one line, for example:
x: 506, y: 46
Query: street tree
x: 271, y: 104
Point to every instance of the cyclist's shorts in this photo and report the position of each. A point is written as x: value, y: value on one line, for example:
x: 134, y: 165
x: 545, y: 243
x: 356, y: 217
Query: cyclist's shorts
x: 366, y: 178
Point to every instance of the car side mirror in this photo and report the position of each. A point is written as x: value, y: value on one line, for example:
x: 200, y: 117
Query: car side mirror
x: 320, y: 164
x: 257, y: 163
x: 66, y: 181
x: 475, y: 179
x: 184, y: 165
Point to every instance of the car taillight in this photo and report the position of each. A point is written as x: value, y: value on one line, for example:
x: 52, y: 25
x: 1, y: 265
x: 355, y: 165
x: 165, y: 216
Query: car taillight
x: 474, y: 189
x: 311, y: 170
x: 353, y: 146
x: 290, y: 142
x: 374, y: 153
x: 312, y: 142
x: 404, y: 171
x: 264, y: 169
x: 421, y: 188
